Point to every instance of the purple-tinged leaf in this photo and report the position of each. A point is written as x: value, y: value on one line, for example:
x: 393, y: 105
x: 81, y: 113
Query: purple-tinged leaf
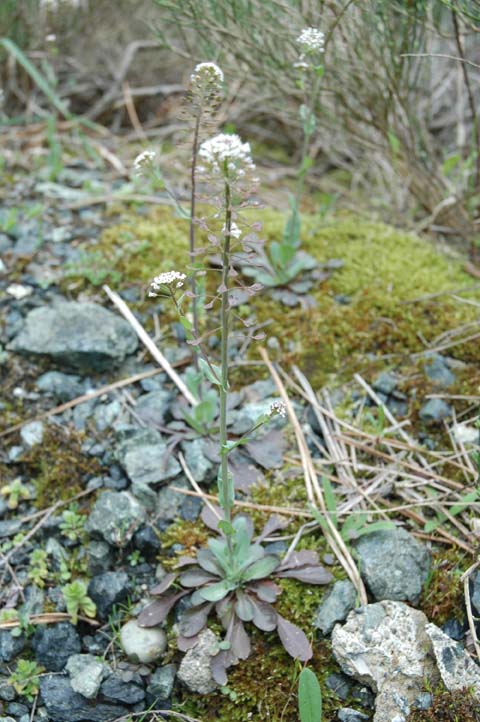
x: 264, y: 615
x: 266, y: 590
x: 196, y: 577
x: 210, y: 518
x: 274, y: 523
x: 244, y: 607
x: 157, y: 611
x: 166, y: 582
x: 261, y: 568
x: 185, y: 561
x: 194, y: 620
x: 186, y: 643
x: 309, y: 575
x: 224, y: 609
x: 299, y: 559
x: 294, y: 640
x: 218, y: 666
x: 207, y: 561
x: 239, y: 639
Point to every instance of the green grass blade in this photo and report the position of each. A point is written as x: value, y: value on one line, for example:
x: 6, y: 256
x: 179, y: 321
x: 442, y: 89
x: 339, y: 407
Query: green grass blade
x: 36, y: 76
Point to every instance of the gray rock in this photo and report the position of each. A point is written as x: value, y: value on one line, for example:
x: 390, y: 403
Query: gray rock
x: 9, y: 527
x: 65, y: 705
x: 32, y: 433
x: 126, y: 688
x: 457, y: 668
x: 195, y: 668
x: 437, y: 370
x: 100, y: 557
x: 108, y: 589
x: 147, y: 541
x: 115, y: 516
x: 385, y: 383
x: 161, y: 682
x: 385, y: 646
x: 334, y: 608
x: 197, y: 461
x: 169, y: 502
x: 146, y: 459
x: 434, y: 411
x: 10, y: 646
x: 475, y: 591
x: 347, y: 714
x: 106, y: 415
x: 423, y: 701
x: 152, y: 408
x: 86, y: 674
x: 63, y: 387
x: 142, y: 644
x: 340, y: 684
x: 393, y: 564
x: 53, y: 644
x: 84, y: 336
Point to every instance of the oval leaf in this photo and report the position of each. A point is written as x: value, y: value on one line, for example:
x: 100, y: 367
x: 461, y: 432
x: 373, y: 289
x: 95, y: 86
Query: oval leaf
x: 264, y: 616
x: 266, y: 590
x: 309, y: 697
x: 215, y: 592
x: 166, y: 582
x: 157, y: 611
x: 244, y: 607
x: 195, y: 578
x: 193, y: 620
x: 261, y: 568
x: 294, y: 640
x: 309, y: 575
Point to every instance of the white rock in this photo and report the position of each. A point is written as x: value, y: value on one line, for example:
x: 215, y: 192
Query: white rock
x: 457, y: 668
x: 32, y: 433
x: 195, y: 670
x: 385, y: 646
x: 86, y: 674
x: 18, y: 291
x: 464, y: 434
x: 142, y: 644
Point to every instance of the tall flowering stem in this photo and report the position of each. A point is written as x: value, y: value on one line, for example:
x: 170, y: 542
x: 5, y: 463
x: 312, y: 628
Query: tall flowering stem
x: 204, y: 97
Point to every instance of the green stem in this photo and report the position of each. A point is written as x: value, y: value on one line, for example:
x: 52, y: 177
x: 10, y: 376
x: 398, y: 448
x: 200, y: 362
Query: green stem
x: 193, y: 280
x: 226, y: 492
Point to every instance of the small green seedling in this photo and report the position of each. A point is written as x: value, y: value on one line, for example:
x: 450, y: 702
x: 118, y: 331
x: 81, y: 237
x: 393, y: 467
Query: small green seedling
x: 25, y: 678
x: 15, y: 493
x: 78, y: 601
x: 309, y: 697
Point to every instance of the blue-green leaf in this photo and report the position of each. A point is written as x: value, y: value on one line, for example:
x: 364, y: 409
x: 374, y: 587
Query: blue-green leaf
x: 309, y: 697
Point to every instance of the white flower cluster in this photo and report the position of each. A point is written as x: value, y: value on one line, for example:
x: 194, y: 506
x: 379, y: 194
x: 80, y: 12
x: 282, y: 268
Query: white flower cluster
x: 207, y: 73
x: 227, y: 156
x: 311, y: 40
x: 143, y: 161
x: 278, y: 408
x: 172, y: 279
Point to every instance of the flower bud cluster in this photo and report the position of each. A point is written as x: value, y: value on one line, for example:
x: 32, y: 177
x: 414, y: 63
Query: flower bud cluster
x: 226, y: 156
x: 171, y: 279
x: 207, y: 75
x: 278, y: 408
x: 144, y: 162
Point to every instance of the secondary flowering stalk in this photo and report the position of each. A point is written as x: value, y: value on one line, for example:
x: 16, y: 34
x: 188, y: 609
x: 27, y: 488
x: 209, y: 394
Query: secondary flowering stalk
x: 205, y: 92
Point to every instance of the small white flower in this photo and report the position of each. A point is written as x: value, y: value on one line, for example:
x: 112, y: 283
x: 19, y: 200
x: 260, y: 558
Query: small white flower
x: 207, y: 73
x: 278, y: 408
x: 171, y: 279
x: 235, y: 231
x: 311, y: 40
x: 226, y: 155
x: 143, y: 161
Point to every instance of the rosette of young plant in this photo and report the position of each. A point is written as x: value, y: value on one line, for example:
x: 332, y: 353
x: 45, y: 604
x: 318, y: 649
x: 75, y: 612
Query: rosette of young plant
x: 233, y: 578
x: 283, y: 261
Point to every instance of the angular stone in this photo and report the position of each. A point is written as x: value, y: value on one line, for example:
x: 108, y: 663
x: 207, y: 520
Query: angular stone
x: 65, y: 705
x: 142, y: 644
x: 108, y: 589
x: 146, y: 458
x: 161, y: 682
x: 385, y: 646
x: 115, y: 516
x: 86, y: 674
x: 10, y: 646
x: 434, y: 411
x: 32, y: 433
x: 153, y: 407
x: 347, y: 714
x: 393, y: 564
x: 195, y: 668
x: 53, y: 644
x: 334, y: 608
x: 84, y: 336
x: 119, y: 688
x: 457, y: 668
x: 437, y: 371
